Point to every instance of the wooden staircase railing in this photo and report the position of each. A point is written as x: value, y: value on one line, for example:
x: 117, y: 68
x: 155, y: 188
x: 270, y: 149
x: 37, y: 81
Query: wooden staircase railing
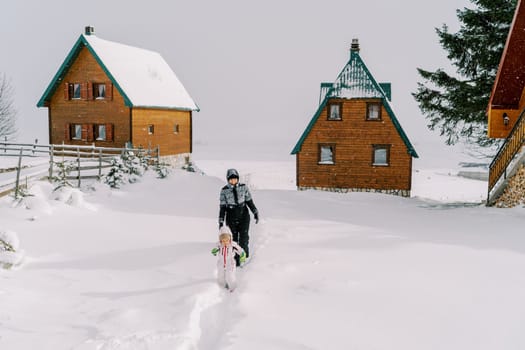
x: 506, y: 153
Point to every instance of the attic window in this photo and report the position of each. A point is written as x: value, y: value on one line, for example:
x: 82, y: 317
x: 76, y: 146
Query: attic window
x: 99, y: 91
x: 74, y: 91
x: 334, y: 111
x: 373, y: 111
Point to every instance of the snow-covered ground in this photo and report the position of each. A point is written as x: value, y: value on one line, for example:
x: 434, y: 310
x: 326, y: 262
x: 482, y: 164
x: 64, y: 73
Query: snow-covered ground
x: 131, y: 268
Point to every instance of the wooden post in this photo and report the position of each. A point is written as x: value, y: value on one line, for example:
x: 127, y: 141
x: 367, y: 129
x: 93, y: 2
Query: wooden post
x: 158, y: 154
x: 78, y: 165
x: 99, y: 164
x: 18, y: 173
x: 52, y: 150
x: 34, y: 146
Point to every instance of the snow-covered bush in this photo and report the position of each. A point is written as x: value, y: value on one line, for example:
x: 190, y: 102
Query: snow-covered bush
x: 117, y: 174
x: 10, y: 255
x: 189, y: 166
x: 145, y: 159
x: 162, y: 170
x: 64, y: 168
x: 134, y: 166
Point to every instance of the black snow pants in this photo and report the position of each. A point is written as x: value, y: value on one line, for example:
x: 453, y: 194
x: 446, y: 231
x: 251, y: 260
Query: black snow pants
x: 240, y: 227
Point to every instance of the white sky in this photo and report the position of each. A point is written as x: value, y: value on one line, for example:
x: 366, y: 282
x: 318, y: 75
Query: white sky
x: 254, y: 68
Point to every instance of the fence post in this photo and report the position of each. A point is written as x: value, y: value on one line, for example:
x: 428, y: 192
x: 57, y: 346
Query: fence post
x: 51, y: 151
x: 18, y: 173
x: 158, y: 154
x: 34, y: 146
x: 78, y: 165
x: 99, y: 164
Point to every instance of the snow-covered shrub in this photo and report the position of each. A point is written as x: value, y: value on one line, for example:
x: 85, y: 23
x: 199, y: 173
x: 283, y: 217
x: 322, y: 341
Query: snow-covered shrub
x: 189, y: 166
x: 162, y: 170
x: 64, y: 168
x: 117, y: 174
x: 134, y: 166
x: 145, y: 159
x: 10, y: 255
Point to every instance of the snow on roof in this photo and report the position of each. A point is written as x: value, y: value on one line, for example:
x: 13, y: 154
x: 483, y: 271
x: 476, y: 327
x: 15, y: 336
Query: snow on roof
x: 143, y: 75
x: 355, y: 81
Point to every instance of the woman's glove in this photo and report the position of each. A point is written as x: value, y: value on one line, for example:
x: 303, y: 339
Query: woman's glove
x: 214, y: 251
x: 256, y: 217
x: 242, y: 259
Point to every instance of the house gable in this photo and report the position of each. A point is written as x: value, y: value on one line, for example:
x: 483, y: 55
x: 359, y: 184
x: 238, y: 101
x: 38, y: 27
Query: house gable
x: 355, y: 82
x: 58, y: 79
x: 142, y: 77
x: 507, y: 96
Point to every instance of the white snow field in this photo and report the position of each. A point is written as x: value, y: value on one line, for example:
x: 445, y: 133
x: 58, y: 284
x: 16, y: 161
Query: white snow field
x: 131, y: 268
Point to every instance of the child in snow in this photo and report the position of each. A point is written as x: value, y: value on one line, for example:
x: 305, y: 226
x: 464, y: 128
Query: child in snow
x: 226, y: 250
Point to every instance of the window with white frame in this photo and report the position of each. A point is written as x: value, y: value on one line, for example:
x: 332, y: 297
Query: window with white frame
x: 381, y: 155
x: 373, y: 111
x: 99, y: 91
x: 100, y: 132
x: 76, y: 132
x: 334, y: 111
x: 74, y: 91
x: 326, y: 154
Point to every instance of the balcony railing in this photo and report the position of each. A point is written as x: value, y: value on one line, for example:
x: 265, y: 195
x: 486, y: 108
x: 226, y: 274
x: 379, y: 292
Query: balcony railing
x: 507, y: 151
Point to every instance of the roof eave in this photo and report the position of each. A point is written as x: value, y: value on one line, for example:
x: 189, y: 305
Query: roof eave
x: 299, y: 143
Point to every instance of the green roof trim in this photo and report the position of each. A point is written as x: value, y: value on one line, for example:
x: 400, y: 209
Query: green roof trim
x: 355, y: 81
x: 62, y: 71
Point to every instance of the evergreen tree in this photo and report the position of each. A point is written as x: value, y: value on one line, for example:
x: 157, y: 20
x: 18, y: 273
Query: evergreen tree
x: 456, y: 105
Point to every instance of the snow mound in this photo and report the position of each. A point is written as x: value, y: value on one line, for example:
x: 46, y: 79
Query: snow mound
x: 9, y: 249
x: 73, y: 197
x: 38, y: 200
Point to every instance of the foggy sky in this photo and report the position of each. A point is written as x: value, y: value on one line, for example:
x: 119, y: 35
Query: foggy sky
x: 253, y: 67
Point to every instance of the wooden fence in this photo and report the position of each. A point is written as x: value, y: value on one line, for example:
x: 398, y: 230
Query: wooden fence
x: 85, y: 162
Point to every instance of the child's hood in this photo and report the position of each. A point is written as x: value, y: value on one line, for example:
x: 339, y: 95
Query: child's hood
x: 225, y: 230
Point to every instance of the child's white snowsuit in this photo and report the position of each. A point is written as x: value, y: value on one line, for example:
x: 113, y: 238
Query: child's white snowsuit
x: 226, y: 264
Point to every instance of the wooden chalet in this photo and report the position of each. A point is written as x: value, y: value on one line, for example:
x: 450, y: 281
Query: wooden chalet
x: 354, y: 141
x: 112, y: 95
x: 506, y: 110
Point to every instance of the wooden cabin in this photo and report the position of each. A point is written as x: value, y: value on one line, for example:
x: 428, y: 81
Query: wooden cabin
x: 506, y: 110
x: 354, y: 142
x: 112, y: 95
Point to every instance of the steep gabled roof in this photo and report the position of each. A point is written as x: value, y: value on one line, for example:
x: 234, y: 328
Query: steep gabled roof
x: 142, y: 77
x: 355, y: 81
x: 510, y: 79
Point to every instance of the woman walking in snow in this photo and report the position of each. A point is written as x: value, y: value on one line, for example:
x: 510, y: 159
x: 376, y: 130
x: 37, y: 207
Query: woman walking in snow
x: 227, y: 251
x: 235, y: 199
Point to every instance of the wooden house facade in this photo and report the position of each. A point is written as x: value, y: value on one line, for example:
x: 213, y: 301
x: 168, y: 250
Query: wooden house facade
x: 354, y: 142
x: 506, y: 112
x: 113, y: 95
